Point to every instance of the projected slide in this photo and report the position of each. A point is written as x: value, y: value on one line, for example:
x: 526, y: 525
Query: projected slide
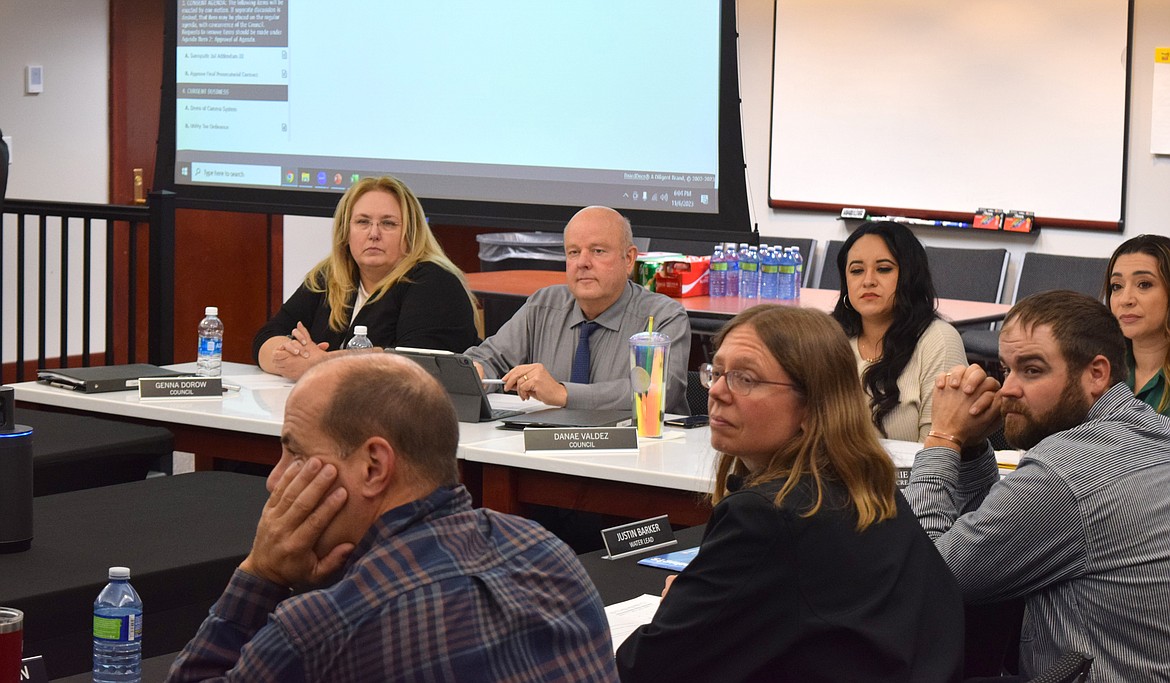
x: 524, y: 101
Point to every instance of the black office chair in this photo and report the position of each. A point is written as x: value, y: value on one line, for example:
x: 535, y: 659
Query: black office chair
x: 696, y: 394
x: 830, y: 278
x: 807, y: 247
x: 683, y: 246
x: 968, y: 274
x: 1073, y: 667
x: 1041, y: 273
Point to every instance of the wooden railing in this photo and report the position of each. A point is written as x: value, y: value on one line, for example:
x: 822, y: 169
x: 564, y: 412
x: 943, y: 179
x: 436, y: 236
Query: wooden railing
x: 86, y: 284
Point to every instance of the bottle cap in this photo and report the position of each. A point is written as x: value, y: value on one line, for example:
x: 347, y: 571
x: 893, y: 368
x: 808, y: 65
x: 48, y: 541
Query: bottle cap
x: 121, y: 573
x: 359, y: 329
x: 211, y: 310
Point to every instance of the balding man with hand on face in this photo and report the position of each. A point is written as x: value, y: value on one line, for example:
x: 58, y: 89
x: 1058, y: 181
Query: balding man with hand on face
x: 429, y: 589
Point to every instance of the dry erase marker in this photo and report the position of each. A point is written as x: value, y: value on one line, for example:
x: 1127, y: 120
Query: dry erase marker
x: 920, y: 221
x: 492, y: 382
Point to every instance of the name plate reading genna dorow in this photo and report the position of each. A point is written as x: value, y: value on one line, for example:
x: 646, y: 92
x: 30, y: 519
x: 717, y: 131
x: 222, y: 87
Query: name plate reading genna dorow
x: 32, y: 670
x: 580, y: 438
x: 635, y: 537
x: 160, y: 388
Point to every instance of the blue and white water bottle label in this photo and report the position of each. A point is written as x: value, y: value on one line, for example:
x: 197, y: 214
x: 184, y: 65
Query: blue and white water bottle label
x: 210, y: 346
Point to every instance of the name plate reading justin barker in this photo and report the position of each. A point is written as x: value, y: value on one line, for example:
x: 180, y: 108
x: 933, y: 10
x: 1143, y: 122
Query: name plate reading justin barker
x: 636, y: 537
x: 580, y: 438
x: 152, y: 388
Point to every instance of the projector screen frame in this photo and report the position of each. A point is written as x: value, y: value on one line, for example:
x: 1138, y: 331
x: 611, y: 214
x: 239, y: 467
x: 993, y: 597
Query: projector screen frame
x: 732, y: 219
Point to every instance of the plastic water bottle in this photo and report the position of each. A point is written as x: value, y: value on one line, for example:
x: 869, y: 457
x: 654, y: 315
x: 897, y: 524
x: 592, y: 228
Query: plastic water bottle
x: 787, y: 277
x: 732, y: 257
x: 799, y: 270
x: 769, y: 274
x: 717, y: 276
x: 210, y: 344
x: 117, y: 631
x: 359, y: 340
x: 749, y: 273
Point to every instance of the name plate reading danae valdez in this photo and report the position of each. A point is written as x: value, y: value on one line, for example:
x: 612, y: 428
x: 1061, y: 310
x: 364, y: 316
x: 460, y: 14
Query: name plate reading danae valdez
x: 580, y: 438
x: 158, y: 388
x: 636, y: 537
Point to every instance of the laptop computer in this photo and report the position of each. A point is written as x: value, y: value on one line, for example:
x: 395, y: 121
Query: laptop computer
x: 103, y: 378
x: 457, y: 373
x: 570, y: 417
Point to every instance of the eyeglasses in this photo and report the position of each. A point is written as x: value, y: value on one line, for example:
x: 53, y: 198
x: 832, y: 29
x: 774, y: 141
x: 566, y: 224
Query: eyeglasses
x: 365, y: 224
x: 737, y: 382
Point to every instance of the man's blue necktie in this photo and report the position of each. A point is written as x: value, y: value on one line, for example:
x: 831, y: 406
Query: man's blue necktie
x: 580, y: 374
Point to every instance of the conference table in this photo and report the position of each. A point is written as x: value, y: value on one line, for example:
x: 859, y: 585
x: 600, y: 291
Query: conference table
x: 665, y: 475
x: 181, y: 536
x: 670, y: 475
x: 520, y: 284
x: 616, y: 581
x: 244, y: 425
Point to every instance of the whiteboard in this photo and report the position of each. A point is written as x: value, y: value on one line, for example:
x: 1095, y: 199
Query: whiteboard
x: 928, y: 106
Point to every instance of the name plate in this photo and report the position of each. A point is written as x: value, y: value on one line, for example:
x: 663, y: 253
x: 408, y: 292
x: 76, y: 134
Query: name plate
x: 902, y: 476
x: 32, y: 669
x: 580, y: 438
x: 636, y: 537
x: 158, y: 388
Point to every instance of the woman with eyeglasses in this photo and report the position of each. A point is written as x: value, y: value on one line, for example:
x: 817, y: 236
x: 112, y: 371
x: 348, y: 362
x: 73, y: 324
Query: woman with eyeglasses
x: 812, y: 567
x: 887, y: 308
x: 1138, y: 294
x: 386, y: 271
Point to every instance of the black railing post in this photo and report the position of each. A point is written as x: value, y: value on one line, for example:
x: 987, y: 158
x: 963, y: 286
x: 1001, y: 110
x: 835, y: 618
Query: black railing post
x: 162, y: 277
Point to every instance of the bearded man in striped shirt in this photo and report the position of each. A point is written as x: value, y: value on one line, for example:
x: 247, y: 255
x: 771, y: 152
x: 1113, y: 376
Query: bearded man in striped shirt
x: 1081, y: 529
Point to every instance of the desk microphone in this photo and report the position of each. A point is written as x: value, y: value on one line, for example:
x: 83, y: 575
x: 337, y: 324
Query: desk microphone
x: 16, y: 478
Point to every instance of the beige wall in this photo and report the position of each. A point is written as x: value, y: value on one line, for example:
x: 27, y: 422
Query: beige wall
x: 60, y: 138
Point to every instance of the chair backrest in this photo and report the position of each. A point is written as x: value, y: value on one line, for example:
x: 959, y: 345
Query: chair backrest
x: 1072, y: 667
x: 830, y: 278
x: 683, y: 246
x: 807, y: 247
x: 1043, y: 272
x: 696, y: 394
x: 968, y: 274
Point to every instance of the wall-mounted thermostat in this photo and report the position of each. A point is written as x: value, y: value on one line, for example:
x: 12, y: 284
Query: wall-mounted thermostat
x: 34, y: 79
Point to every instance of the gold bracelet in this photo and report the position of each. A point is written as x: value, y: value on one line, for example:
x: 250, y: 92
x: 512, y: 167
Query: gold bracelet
x: 946, y: 437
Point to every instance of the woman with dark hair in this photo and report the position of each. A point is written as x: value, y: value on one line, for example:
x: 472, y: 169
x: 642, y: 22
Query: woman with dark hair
x: 385, y: 271
x: 887, y: 309
x: 813, y: 566
x: 1138, y: 294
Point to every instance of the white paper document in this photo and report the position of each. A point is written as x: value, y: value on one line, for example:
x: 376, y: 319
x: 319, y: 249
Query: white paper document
x: 625, y: 617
